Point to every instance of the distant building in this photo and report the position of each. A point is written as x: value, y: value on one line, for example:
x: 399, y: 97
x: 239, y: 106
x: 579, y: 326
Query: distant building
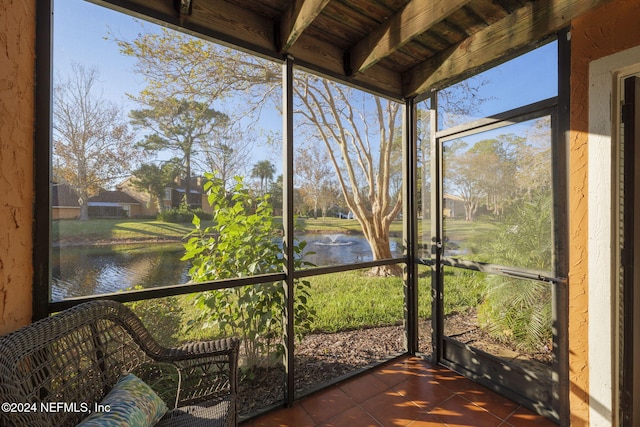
x: 113, y: 204
x: 173, y: 196
x: 106, y: 204
x: 64, y: 202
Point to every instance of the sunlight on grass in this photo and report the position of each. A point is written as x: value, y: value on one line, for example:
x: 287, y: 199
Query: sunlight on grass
x: 118, y: 230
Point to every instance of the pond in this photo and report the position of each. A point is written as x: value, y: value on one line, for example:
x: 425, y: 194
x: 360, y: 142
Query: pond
x: 91, y: 270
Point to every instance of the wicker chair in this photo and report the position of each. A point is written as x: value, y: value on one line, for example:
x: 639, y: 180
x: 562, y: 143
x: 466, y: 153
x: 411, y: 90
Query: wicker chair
x: 79, y: 354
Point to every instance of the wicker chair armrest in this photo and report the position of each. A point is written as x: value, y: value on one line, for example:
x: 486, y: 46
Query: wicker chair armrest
x: 207, y: 370
x: 226, y: 347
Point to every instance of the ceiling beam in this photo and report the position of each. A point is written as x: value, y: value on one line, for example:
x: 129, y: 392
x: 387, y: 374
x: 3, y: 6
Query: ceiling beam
x: 530, y: 24
x: 296, y: 19
x: 414, y: 19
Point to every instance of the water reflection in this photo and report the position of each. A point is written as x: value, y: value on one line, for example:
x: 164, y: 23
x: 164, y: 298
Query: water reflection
x: 93, y: 270
x: 90, y: 270
x: 336, y: 249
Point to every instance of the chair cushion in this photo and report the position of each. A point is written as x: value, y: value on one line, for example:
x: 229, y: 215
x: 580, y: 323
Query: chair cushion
x: 131, y: 402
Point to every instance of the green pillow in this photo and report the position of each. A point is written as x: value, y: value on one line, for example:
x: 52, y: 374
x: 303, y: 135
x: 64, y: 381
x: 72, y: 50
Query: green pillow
x: 130, y: 403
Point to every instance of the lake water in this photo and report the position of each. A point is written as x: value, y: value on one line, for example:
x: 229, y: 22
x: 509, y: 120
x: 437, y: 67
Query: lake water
x: 91, y: 270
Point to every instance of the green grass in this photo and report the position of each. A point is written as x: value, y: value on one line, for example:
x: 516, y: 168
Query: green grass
x: 118, y: 230
x: 338, y: 225
x: 352, y: 300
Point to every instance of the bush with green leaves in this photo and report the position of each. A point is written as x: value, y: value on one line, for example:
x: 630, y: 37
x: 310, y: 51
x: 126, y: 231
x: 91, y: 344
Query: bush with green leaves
x: 243, y: 241
x: 182, y: 214
x: 165, y: 329
x: 518, y: 311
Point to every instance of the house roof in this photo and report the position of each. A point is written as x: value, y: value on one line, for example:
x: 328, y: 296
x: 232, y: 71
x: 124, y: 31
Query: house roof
x: 63, y: 196
x: 398, y: 48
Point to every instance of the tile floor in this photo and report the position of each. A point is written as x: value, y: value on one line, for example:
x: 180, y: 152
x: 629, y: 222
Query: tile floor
x: 407, y: 392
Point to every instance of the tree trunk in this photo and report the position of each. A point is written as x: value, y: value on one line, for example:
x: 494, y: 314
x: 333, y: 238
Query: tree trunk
x: 382, y: 250
x: 84, y: 210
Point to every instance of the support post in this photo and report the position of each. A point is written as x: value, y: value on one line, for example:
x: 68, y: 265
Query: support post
x: 410, y: 233
x: 288, y: 225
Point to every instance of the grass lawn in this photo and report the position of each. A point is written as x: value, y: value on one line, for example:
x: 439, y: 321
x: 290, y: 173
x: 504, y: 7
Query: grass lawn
x: 338, y: 225
x: 140, y: 229
x: 118, y: 230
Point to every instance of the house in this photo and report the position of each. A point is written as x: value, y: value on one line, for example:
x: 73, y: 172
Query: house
x: 105, y: 204
x: 113, y: 204
x: 64, y: 202
x: 173, y: 196
x: 597, y: 332
x: 453, y: 206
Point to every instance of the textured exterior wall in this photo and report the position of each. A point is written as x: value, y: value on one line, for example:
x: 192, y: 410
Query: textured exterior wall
x: 609, y: 29
x: 17, y: 56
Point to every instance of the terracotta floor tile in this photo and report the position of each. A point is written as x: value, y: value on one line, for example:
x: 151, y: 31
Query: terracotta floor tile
x: 393, y: 409
x: 393, y: 374
x: 294, y: 416
x: 498, y: 405
x: 423, y: 393
x: 427, y: 421
x: 354, y: 417
x: 455, y: 382
x: 525, y: 418
x: 409, y: 392
x: 363, y: 387
x: 327, y: 404
x: 458, y: 412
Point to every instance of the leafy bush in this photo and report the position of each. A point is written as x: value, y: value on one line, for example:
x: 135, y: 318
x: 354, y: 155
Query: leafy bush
x: 182, y: 215
x: 243, y: 241
x: 165, y: 328
x: 518, y: 311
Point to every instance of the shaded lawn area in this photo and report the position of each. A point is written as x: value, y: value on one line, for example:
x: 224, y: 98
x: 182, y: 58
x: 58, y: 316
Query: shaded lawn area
x: 117, y: 230
x: 338, y: 225
x: 122, y: 230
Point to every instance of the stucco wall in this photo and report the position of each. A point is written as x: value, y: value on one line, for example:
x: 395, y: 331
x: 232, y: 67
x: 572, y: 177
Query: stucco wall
x: 607, y: 30
x: 17, y: 53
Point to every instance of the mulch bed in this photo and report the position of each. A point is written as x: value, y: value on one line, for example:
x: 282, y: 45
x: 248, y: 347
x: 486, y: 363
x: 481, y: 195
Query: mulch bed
x: 325, y: 357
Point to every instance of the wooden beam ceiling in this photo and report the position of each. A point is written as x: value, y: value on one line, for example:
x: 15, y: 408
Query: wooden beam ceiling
x: 414, y: 19
x: 525, y: 27
x: 297, y: 18
x: 412, y: 32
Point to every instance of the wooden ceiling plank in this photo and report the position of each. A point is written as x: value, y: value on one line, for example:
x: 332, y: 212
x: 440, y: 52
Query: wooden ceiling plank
x: 230, y: 23
x: 414, y: 19
x: 296, y: 19
x: 526, y: 26
x: 326, y: 59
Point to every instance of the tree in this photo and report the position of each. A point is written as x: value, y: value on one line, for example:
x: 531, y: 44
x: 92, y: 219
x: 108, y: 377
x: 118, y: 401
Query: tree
x: 227, y: 152
x: 175, y: 65
x: 178, y: 125
x: 485, y: 171
x: 263, y: 170
x: 314, y: 172
x: 461, y: 179
x: 153, y: 179
x: 365, y: 170
x: 92, y: 144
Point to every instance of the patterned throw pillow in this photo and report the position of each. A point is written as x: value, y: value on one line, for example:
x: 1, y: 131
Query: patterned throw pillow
x: 130, y: 403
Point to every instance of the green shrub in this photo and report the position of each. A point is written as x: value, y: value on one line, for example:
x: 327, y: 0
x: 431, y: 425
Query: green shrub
x: 243, y: 241
x: 165, y: 328
x: 518, y: 311
x: 183, y: 215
